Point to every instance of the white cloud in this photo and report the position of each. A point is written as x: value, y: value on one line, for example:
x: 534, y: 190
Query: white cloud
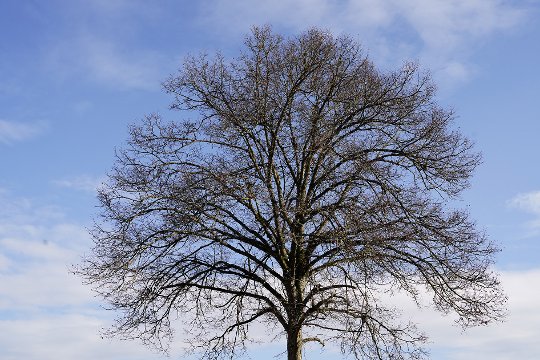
x: 112, y: 6
x: 108, y: 62
x: 11, y: 131
x: 437, y: 32
x: 530, y: 203
x: 45, y: 311
x: 125, y: 10
x: 37, y: 247
x: 64, y: 336
x: 514, y: 338
x: 446, y: 24
x: 46, y: 314
x: 103, y: 45
x: 82, y: 182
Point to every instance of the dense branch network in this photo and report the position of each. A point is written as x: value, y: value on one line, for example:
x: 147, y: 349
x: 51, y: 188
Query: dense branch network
x: 307, y: 183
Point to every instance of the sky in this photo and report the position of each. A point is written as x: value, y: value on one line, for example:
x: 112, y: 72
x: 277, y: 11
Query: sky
x: 75, y: 74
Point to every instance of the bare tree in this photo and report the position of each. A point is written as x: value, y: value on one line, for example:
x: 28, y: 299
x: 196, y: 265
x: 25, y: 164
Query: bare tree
x: 305, y: 185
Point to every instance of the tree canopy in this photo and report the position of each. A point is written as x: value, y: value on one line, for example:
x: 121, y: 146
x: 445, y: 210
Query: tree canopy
x: 300, y: 184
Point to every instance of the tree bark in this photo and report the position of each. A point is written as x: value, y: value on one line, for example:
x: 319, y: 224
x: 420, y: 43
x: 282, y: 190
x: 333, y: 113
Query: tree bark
x: 294, y: 344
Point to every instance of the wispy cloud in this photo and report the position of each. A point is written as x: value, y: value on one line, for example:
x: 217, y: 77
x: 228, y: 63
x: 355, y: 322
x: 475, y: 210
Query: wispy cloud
x: 438, y: 32
x: 37, y: 245
x: 113, y: 6
x: 109, y: 61
x: 513, y: 338
x: 449, y: 23
x: 11, y: 131
x: 110, y: 64
x: 45, y: 311
x: 42, y: 304
x: 82, y: 182
x: 528, y: 202
x: 68, y: 335
x: 441, y: 34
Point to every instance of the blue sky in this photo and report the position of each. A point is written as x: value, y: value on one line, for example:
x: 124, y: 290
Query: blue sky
x: 75, y: 74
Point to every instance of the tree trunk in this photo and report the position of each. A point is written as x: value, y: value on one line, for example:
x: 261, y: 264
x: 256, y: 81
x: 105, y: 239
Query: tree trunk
x: 294, y: 344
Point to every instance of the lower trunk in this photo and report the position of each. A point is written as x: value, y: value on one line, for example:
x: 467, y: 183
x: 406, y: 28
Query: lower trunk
x: 294, y: 345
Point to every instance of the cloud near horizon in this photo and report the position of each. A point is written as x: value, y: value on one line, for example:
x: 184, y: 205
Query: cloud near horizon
x: 515, y: 337
x: 45, y: 311
x: 42, y: 304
